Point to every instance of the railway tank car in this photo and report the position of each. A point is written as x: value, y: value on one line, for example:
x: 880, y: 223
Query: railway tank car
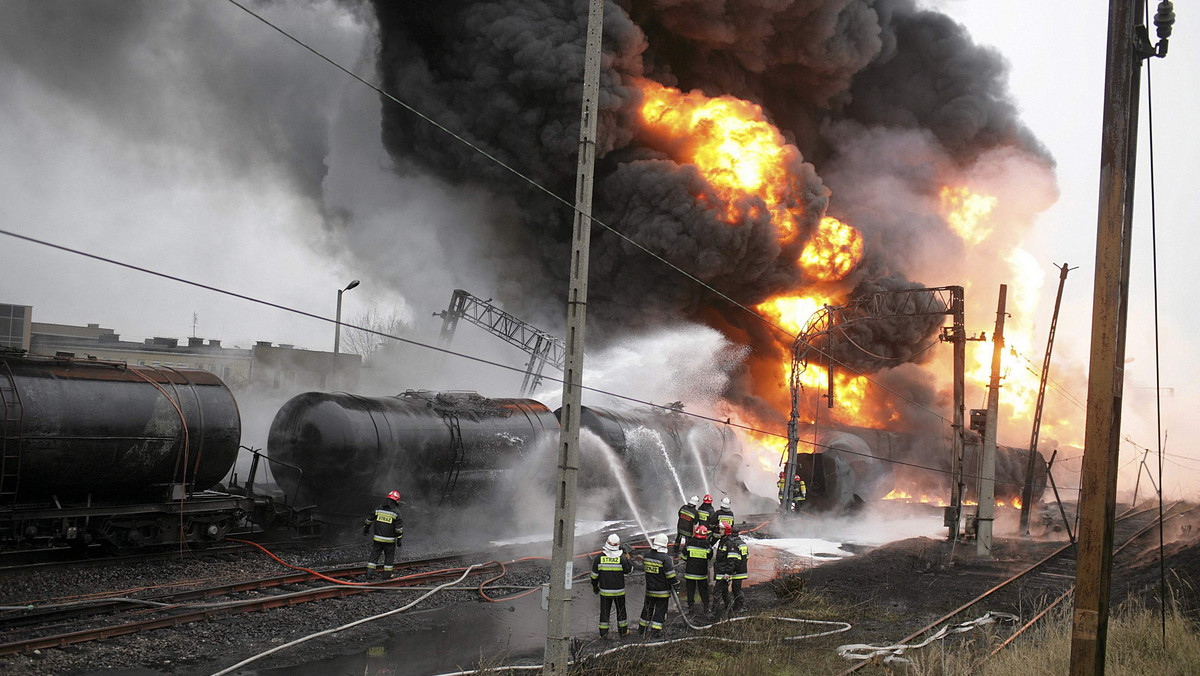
x: 105, y: 449
x: 341, y: 452
x: 851, y: 466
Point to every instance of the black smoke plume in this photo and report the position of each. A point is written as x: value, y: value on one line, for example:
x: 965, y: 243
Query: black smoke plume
x: 505, y: 74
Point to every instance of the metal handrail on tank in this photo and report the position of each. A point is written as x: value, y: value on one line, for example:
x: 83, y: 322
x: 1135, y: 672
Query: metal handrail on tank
x: 10, y: 444
x: 249, y: 485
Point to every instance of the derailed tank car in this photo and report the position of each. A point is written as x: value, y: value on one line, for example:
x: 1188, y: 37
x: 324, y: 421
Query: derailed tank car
x: 850, y: 466
x: 108, y: 452
x: 341, y: 452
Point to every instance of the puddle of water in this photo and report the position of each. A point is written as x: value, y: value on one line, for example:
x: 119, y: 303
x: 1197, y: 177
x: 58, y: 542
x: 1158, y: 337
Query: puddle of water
x: 458, y: 637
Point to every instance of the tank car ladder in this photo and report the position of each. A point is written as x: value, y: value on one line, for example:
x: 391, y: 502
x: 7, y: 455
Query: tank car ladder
x: 10, y: 436
x: 459, y: 452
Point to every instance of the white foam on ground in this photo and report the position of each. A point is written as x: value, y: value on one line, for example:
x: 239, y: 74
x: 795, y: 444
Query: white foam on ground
x: 814, y: 550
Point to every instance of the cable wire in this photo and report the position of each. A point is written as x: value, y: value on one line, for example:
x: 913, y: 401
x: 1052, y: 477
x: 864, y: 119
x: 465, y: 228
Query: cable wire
x: 1162, y: 575
x: 727, y: 422
x: 568, y: 203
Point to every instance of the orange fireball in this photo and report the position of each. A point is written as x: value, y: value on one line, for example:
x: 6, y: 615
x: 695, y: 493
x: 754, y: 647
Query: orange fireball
x: 833, y: 251
x: 729, y: 140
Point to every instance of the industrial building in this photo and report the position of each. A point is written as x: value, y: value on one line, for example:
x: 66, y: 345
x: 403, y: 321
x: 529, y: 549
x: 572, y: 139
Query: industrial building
x: 263, y: 366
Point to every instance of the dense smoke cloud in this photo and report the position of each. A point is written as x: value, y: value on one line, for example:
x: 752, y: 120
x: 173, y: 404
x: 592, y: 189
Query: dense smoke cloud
x: 850, y: 82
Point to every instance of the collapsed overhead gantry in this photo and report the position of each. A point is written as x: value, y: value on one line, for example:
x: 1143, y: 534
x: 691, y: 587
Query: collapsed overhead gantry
x: 542, y: 347
x: 818, y: 337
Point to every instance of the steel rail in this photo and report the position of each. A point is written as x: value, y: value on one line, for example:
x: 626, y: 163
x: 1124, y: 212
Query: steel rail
x: 101, y: 606
x: 1070, y: 590
x: 1020, y: 575
x: 233, y: 607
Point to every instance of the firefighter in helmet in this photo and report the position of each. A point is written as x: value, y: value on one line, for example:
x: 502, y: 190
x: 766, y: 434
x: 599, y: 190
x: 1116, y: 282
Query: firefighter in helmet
x: 660, y: 579
x: 687, y: 520
x: 386, y: 529
x: 729, y: 567
x: 696, y: 556
x: 704, y: 514
x: 782, y: 484
x: 608, y: 580
x: 723, y: 515
x: 799, y: 493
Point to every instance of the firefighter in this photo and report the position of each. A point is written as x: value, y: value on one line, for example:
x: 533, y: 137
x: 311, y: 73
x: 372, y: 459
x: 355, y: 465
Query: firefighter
x: 608, y: 580
x: 799, y: 493
x: 687, y: 519
x: 724, y: 568
x: 695, y: 572
x: 704, y: 514
x: 729, y: 567
x: 660, y: 579
x: 386, y: 529
x: 724, y: 515
x: 781, y: 484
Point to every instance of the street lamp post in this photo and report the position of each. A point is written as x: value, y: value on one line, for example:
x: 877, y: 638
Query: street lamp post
x: 337, y: 332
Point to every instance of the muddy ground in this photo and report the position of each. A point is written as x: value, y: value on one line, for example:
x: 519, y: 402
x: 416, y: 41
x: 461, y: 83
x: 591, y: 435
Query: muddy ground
x: 916, y: 580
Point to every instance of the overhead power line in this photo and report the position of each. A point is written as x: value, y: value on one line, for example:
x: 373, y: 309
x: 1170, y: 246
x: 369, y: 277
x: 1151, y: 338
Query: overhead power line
x: 416, y: 343
x: 568, y: 203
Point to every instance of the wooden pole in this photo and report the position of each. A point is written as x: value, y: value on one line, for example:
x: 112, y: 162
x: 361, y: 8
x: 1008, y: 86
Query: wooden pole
x: 1097, y: 499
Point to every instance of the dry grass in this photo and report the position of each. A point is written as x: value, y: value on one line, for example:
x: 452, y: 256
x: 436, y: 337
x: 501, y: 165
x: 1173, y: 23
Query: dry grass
x: 1135, y: 647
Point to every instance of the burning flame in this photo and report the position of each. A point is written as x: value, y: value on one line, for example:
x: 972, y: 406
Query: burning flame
x: 793, y: 313
x: 967, y: 213
x: 833, y: 251
x: 729, y: 140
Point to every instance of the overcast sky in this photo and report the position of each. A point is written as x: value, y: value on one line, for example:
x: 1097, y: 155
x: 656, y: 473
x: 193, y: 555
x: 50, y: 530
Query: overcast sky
x: 142, y: 132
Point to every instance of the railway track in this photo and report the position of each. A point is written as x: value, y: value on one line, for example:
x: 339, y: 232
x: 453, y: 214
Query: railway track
x: 68, y: 621
x: 41, y: 628
x: 1035, y: 590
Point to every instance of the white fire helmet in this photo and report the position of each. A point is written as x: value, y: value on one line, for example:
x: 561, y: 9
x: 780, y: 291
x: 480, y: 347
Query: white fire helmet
x: 694, y: 500
x: 614, y: 540
x: 660, y: 542
x: 612, y: 546
x: 725, y: 502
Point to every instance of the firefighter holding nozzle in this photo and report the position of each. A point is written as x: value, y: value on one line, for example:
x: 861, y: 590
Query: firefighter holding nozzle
x: 660, y: 579
x: 608, y: 580
x: 729, y: 567
x: 696, y: 555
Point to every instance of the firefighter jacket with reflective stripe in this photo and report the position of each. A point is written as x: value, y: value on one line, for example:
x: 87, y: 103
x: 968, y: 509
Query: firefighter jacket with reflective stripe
x: 385, y: 524
x: 743, y: 563
x: 696, y: 556
x: 724, y: 515
x: 687, y: 519
x: 660, y: 574
x: 730, y: 557
x: 704, y: 515
x: 608, y: 573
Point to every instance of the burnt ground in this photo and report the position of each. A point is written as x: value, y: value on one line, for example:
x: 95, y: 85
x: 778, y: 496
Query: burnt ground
x: 895, y: 589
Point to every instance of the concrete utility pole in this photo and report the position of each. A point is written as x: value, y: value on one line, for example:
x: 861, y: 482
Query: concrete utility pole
x: 1128, y: 45
x: 958, y: 338
x: 1027, y: 491
x: 987, y: 468
x: 558, y: 626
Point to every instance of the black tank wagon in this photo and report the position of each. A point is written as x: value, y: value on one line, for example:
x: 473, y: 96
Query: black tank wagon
x: 340, y: 452
x: 97, y: 451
